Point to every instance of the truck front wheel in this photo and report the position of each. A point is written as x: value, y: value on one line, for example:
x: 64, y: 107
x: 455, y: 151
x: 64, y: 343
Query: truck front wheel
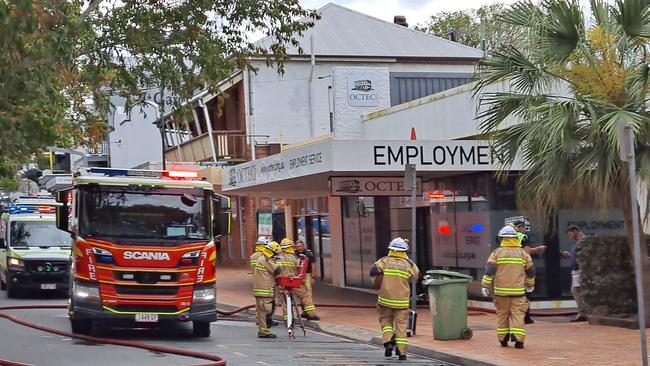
x: 81, y: 326
x: 201, y: 329
x: 12, y: 290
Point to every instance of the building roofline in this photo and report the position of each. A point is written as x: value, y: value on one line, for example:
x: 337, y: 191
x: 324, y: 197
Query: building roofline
x: 328, y: 5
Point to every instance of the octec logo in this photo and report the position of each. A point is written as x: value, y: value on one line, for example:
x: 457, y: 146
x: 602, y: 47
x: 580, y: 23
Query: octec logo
x: 156, y: 256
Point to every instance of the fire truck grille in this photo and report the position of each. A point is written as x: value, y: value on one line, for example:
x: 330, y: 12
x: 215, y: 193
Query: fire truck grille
x: 146, y: 290
x: 146, y: 277
x: 145, y: 309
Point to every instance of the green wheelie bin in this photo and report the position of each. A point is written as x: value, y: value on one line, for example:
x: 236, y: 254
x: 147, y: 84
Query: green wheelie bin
x: 448, y: 304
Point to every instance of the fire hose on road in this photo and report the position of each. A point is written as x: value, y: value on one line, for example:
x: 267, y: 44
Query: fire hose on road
x: 215, y: 360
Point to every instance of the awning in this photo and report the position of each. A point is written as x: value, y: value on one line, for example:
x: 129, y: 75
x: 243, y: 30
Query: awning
x: 305, y: 171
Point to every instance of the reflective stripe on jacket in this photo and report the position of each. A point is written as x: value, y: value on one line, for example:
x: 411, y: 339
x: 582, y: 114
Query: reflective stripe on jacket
x: 263, y: 277
x: 509, y: 269
x: 395, y: 288
x: 288, y: 262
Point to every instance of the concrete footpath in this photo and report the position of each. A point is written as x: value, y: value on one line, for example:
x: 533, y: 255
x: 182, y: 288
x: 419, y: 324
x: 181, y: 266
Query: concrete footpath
x: 550, y: 341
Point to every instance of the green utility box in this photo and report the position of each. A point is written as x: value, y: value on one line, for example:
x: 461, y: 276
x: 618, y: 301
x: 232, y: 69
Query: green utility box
x: 448, y: 304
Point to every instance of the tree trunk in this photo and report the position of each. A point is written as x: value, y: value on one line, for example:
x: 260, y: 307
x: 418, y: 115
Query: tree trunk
x: 645, y: 262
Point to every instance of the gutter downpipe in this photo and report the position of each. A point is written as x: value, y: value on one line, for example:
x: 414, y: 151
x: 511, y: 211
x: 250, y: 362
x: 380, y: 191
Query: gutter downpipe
x: 208, y: 124
x: 251, y: 124
x: 311, y: 79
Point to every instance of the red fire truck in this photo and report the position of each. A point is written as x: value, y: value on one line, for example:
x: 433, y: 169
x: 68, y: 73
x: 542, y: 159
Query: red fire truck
x: 144, y: 247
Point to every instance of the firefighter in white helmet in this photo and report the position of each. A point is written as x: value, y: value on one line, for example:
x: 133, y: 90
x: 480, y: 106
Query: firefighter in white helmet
x: 510, y: 273
x: 392, y: 275
x: 264, y: 285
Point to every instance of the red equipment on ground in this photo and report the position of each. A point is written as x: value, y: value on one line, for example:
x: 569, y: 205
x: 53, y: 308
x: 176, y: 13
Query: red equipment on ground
x: 288, y: 283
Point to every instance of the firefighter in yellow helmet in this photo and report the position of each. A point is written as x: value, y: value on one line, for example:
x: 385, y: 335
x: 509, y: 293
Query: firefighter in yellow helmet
x: 263, y: 286
x: 288, y: 262
x: 304, y: 292
x: 395, y: 272
x: 510, y: 273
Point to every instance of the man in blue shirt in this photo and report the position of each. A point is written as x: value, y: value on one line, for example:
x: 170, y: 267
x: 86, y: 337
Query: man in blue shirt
x: 573, y: 232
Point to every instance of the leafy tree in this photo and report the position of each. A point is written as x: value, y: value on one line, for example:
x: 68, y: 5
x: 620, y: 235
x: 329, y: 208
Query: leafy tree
x: 64, y: 58
x: 479, y: 28
x: 578, y: 77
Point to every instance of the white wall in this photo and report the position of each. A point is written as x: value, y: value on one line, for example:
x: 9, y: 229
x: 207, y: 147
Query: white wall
x: 137, y: 141
x: 281, y: 102
x: 444, y: 116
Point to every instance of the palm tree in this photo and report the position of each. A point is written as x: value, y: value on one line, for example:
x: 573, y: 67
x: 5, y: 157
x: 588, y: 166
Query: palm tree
x: 576, y: 79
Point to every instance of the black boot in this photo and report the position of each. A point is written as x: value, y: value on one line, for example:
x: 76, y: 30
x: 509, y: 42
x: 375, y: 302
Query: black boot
x: 399, y: 354
x: 388, y: 349
x: 270, y: 322
x: 504, y: 343
x: 519, y: 345
x: 528, y: 320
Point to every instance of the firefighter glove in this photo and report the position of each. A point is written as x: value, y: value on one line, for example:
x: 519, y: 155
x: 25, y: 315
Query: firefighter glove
x: 530, y: 289
x: 485, y: 292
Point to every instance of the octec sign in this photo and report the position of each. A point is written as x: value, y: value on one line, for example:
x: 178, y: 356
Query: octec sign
x: 371, y: 186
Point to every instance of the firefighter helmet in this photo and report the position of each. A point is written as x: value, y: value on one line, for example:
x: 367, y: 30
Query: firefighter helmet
x: 398, y: 244
x: 286, y: 243
x: 262, y: 240
x: 274, y: 247
x: 507, y: 232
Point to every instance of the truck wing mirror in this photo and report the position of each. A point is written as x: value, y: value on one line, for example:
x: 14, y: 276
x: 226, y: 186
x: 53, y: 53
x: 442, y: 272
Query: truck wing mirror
x: 63, y: 211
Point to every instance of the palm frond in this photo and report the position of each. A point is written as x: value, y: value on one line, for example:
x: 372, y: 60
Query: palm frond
x: 634, y: 17
x: 522, y: 13
x: 563, y: 29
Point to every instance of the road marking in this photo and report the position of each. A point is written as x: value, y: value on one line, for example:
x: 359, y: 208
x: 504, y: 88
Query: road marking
x: 240, y: 354
x: 262, y: 363
x: 221, y: 346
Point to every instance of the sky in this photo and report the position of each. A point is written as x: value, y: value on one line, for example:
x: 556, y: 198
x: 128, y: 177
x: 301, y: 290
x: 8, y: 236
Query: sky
x: 416, y: 11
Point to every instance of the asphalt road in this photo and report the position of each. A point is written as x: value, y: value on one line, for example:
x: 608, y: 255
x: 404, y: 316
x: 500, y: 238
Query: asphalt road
x: 233, y: 338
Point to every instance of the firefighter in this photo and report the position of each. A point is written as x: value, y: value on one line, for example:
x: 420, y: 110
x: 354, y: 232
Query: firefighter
x: 288, y: 262
x: 263, y: 286
x: 511, y: 274
x: 259, y: 246
x: 392, y: 274
x: 304, y: 293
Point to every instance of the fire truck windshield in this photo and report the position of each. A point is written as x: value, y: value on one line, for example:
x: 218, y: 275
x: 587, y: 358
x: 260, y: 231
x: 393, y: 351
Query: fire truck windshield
x: 167, y: 215
x: 38, y: 234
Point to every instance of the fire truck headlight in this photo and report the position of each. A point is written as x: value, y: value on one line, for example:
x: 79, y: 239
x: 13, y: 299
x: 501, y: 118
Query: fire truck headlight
x: 204, y: 295
x: 85, y: 292
x: 16, y: 264
x: 103, y: 256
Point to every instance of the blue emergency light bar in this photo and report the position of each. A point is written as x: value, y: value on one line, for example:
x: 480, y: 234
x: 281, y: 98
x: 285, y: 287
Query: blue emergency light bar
x: 31, y: 209
x: 174, y: 174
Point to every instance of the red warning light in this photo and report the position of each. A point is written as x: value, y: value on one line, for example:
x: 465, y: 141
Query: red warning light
x: 182, y: 174
x: 46, y: 209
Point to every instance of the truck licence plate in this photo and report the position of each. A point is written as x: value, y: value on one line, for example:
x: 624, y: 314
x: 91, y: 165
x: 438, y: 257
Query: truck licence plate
x: 146, y: 318
x: 48, y: 286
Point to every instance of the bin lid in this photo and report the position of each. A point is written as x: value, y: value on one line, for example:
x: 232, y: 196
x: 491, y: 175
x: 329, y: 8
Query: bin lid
x: 441, y: 277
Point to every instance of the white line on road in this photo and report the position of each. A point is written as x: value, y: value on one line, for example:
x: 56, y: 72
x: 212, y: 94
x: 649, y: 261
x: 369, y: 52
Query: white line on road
x: 240, y: 354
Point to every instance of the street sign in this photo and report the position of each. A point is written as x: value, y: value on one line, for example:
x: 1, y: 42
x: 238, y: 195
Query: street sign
x: 625, y: 148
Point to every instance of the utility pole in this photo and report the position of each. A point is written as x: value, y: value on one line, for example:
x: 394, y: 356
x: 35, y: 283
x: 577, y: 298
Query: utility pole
x: 627, y: 153
x: 410, y: 180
